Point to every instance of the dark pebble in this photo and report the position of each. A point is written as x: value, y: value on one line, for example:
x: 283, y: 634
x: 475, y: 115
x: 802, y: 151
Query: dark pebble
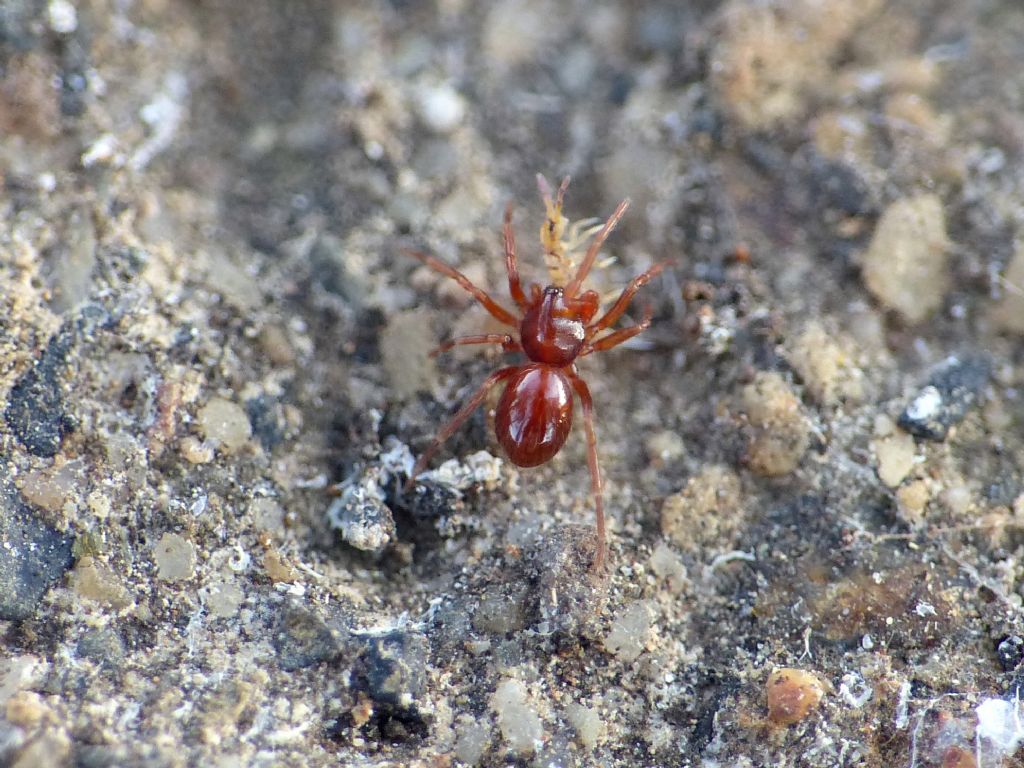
x: 392, y: 670
x: 33, y: 556
x: 35, y: 406
x: 952, y: 389
x: 1010, y: 652
x: 302, y: 638
x: 264, y: 414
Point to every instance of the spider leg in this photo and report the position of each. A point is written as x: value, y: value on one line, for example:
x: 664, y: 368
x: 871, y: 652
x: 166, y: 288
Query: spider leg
x: 497, y: 311
x: 459, y: 419
x: 619, y: 336
x: 595, y: 246
x: 596, y: 482
x: 508, y: 344
x: 515, y: 288
x: 622, y: 303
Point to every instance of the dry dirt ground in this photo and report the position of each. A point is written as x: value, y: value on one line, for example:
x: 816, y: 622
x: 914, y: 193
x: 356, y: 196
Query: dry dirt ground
x: 213, y: 381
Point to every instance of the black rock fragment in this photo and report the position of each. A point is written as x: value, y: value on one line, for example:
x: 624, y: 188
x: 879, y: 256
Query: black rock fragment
x: 1010, y: 652
x: 33, y: 556
x: 35, y: 406
x: 952, y: 389
x: 303, y: 638
x: 392, y: 670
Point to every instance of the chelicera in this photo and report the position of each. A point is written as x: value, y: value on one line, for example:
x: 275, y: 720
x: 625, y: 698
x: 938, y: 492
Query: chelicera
x: 553, y: 327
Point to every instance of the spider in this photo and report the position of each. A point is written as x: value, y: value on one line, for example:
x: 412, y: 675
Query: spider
x: 553, y: 327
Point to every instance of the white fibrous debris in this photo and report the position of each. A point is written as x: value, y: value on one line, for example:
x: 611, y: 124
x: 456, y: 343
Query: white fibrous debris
x: 1000, y: 729
x: 903, y: 706
x: 163, y: 115
x: 855, y: 690
x: 480, y: 468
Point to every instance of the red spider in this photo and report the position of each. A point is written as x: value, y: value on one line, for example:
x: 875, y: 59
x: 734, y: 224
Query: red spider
x: 554, y: 327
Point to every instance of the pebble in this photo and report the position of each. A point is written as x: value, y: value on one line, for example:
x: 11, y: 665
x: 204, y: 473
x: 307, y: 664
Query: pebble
x: 781, y: 433
x: 441, y: 108
x: 706, y: 512
x: 404, y: 344
x: 33, y: 556
x: 792, y: 695
x: 952, y: 389
x: 303, y: 638
x: 175, y: 558
x: 519, y: 722
x: 94, y: 580
x: 392, y: 670
x: 361, y: 515
x: 906, y: 265
x: 896, y: 456
x: 587, y: 722
x: 35, y: 406
x: 630, y: 632
x: 225, y: 423
x: 827, y: 365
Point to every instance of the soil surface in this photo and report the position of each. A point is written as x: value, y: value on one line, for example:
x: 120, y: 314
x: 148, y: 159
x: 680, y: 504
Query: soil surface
x: 214, y: 382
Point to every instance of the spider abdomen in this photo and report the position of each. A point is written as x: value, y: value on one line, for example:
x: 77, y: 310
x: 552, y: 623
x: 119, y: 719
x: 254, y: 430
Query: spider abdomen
x: 534, y: 415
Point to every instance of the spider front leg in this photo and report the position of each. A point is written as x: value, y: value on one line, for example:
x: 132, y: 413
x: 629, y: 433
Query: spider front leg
x: 515, y: 288
x: 497, y: 311
x: 619, y: 336
x: 596, y: 481
x: 459, y: 419
x: 508, y: 344
x: 622, y: 303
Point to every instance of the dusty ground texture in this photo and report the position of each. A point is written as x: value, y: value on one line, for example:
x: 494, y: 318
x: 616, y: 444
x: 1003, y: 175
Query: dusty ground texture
x: 814, y: 458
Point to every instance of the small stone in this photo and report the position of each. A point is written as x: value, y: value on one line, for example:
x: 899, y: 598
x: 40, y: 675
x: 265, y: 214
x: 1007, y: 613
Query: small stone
x: 62, y: 16
x: 33, y: 556
x: 277, y: 567
x: 781, y: 433
x: 1010, y: 652
x: 587, y: 722
x: 35, y: 406
x: 266, y: 514
x: 94, y: 580
x: 792, y: 695
x: 519, y: 722
x: 471, y: 741
x: 225, y: 423
x: 896, y: 455
x: 103, y: 645
x: 952, y: 389
x: 912, y: 498
x: 826, y: 365
x: 223, y: 599
x: 303, y: 638
x: 906, y: 264
x: 630, y: 632
x: 392, y: 670
x: 233, y: 283
x: 501, y: 612
x: 404, y: 344
x: 706, y: 512
x: 195, y: 451
x: 568, y: 593
x: 666, y: 564
x: 175, y: 558
x: 51, y: 488
x: 441, y: 108
x: 664, y: 446
x: 360, y: 513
